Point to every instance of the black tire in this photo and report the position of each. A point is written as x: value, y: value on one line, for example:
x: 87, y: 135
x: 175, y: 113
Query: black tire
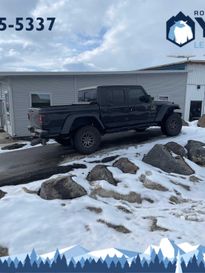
x: 63, y: 141
x: 172, y: 125
x: 163, y: 129
x: 87, y: 140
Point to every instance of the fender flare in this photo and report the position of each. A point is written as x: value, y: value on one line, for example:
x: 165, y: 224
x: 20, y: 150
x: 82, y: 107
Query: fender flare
x: 71, y: 119
x: 165, y: 110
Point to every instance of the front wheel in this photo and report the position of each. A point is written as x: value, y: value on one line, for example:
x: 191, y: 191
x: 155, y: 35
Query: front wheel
x: 87, y: 139
x: 172, y: 125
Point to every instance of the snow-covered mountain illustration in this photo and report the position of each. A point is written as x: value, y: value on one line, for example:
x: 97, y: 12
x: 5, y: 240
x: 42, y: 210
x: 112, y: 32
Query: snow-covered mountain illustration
x: 166, y: 250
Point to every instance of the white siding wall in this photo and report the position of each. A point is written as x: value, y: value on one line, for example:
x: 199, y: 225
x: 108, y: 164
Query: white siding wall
x: 196, y: 76
x: 61, y: 89
x: 172, y: 85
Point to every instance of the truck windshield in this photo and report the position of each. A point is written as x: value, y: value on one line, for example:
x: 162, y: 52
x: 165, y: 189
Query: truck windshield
x: 88, y: 95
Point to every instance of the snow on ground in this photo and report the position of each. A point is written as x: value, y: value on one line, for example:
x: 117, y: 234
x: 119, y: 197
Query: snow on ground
x: 28, y: 222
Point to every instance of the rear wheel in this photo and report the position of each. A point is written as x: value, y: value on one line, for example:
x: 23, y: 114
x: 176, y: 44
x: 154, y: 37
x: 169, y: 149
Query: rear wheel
x: 87, y: 139
x: 172, y: 125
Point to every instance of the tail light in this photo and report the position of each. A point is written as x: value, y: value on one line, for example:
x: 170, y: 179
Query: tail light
x: 40, y: 119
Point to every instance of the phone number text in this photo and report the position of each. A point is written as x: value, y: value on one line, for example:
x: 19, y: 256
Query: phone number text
x: 28, y: 24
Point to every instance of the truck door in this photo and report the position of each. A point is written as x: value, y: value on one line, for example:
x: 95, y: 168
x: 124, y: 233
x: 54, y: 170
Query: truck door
x: 113, y: 108
x: 139, y: 109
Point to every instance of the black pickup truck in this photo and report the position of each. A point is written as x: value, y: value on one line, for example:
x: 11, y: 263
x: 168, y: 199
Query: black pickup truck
x: 102, y: 110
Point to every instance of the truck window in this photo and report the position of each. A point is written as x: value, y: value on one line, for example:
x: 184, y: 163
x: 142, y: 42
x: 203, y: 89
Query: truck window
x: 87, y: 95
x: 134, y: 94
x: 40, y: 100
x: 118, y: 96
x: 112, y: 95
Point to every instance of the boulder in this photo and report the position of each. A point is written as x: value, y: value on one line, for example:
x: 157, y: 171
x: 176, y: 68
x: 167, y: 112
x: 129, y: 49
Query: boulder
x: 14, y: 146
x: 193, y: 144
x: 126, y: 166
x: 151, y: 185
x: 4, y: 251
x: 160, y: 157
x: 2, y: 194
x: 201, y: 122
x: 61, y: 188
x: 196, y: 152
x: 176, y: 148
x: 101, y: 172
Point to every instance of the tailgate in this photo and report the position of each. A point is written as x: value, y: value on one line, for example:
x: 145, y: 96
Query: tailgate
x: 35, y: 118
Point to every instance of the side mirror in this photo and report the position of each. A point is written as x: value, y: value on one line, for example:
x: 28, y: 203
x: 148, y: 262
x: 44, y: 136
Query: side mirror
x: 146, y: 98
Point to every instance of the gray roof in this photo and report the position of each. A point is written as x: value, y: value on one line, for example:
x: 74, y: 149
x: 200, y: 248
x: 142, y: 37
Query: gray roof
x: 68, y: 73
x: 174, y: 63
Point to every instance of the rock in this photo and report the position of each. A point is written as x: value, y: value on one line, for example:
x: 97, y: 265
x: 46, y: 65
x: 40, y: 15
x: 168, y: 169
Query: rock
x: 148, y: 200
x: 186, y: 187
x: 29, y: 191
x: 201, y: 122
x: 61, y: 188
x: 94, y: 209
x: 196, y: 152
x: 176, y: 148
x: 105, y: 159
x: 124, y: 209
x: 177, y: 199
x: 194, y: 143
x: 184, y: 123
x: 151, y: 185
x: 2, y: 194
x: 131, y: 197
x: 14, y: 146
x: 126, y: 166
x: 4, y: 251
x: 156, y: 227
x: 160, y: 157
x: 109, y: 158
x: 101, y: 172
x: 194, y: 179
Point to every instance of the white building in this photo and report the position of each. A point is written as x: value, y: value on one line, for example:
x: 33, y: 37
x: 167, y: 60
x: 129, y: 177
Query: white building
x: 182, y: 83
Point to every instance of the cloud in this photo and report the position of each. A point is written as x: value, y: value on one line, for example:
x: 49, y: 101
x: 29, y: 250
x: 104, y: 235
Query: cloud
x: 93, y: 34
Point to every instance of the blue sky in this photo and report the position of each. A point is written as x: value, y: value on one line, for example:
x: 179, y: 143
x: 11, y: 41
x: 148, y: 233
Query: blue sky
x: 94, y: 35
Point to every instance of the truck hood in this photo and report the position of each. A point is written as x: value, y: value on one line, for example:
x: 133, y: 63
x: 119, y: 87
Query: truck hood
x: 161, y: 103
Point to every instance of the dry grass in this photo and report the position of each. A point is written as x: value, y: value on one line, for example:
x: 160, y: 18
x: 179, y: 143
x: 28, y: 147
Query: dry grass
x: 118, y: 228
x: 94, y: 209
x: 155, y: 227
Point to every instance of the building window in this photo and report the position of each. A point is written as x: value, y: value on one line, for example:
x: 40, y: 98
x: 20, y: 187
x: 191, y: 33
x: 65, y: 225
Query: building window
x: 40, y: 100
x: 163, y: 98
x: 198, y: 86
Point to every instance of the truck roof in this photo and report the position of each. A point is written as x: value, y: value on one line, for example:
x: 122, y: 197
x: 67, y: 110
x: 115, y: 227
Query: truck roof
x: 114, y: 85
